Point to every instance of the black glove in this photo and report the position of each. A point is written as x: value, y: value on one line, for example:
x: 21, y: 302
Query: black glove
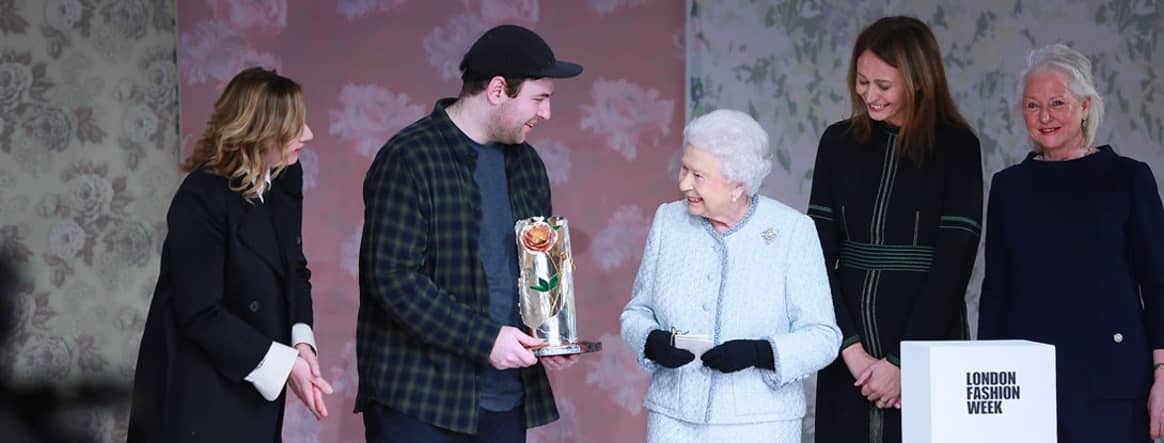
x: 734, y: 355
x: 659, y: 350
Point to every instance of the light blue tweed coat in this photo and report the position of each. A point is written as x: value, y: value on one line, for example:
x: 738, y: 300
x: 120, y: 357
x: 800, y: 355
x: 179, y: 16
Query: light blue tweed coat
x: 764, y: 278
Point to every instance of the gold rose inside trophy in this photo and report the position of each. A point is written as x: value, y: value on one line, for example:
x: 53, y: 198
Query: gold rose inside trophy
x: 546, y: 286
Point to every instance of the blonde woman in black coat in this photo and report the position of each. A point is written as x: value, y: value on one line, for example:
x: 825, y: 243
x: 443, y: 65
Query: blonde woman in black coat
x: 230, y: 322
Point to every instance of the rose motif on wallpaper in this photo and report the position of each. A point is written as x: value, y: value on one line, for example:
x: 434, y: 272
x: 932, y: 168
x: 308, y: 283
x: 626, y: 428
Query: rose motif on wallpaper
x: 262, y: 16
x: 310, y: 161
x: 130, y: 242
x: 109, y: 43
x: 159, y: 79
x: 445, y: 45
x: 214, y: 51
x: 369, y: 115
x: 127, y: 18
x: 48, y: 357
x: 139, y: 125
x: 556, y: 156
x: 344, y: 374
x: 498, y: 12
x: 27, y: 78
x: 139, y: 130
x: 65, y: 20
x: 628, y: 115
x: 15, y: 79
x: 618, y: 373
x: 353, y: 9
x: 621, y: 239
x: 66, y: 239
x: 63, y: 14
x: 604, y: 7
x: 49, y: 127
x: 88, y: 195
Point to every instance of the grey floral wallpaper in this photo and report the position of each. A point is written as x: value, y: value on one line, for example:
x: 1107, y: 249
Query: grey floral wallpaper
x: 785, y: 62
x: 89, y: 141
x: 88, y: 163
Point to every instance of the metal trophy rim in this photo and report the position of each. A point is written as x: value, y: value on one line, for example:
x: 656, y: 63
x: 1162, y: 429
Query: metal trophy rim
x: 581, y: 347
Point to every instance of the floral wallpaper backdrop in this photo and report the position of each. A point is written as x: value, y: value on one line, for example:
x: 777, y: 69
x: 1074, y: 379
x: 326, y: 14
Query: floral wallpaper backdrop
x: 89, y: 141
x: 371, y: 67
x: 88, y: 163
x: 785, y: 62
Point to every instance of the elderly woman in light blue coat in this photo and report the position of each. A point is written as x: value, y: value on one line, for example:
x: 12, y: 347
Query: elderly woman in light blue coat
x: 747, y: 272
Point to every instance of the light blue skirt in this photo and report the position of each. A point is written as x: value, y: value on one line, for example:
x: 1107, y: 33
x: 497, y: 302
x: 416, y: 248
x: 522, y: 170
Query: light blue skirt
x: 664, y: 429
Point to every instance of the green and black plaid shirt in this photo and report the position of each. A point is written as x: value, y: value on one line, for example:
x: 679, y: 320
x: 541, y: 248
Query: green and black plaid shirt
x: 424, y: 329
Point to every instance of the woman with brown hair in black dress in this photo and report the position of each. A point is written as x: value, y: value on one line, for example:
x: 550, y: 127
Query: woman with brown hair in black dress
x: 897, y: 200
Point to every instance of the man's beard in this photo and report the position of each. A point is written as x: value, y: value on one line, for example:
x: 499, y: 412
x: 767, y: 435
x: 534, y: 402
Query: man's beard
x: 502, y: 132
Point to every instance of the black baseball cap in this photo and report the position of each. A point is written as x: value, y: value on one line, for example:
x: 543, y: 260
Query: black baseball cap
x: 514, y: 51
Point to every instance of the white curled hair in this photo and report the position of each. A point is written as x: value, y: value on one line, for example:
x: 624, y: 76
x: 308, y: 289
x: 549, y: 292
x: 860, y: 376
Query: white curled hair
x: 1077, y: 67
x: 737, y: 141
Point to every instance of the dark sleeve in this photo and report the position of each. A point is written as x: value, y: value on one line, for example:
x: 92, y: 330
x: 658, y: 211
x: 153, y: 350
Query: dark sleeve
x: 395, y: 242
x: 827, y: 216
x: 1147, y: 243
x: 959, y: 229
x: 291, y: 184
x: 196, y: 242
x: 994, y: 299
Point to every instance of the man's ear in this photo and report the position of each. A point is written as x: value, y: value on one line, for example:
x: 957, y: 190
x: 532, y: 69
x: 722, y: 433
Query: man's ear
x: 495, y: 90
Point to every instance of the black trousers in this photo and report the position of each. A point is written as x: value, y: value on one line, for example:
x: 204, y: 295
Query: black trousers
x: 385, y: 425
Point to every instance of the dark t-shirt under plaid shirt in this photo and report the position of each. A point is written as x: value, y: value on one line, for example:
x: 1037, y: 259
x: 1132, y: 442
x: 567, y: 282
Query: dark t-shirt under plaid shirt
x: 424, y: 328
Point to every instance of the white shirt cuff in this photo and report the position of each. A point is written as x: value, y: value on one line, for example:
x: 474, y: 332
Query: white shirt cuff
x: 270, y: 375
x: 301, y: 333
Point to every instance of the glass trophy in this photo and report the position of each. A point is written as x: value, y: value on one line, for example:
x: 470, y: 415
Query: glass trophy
x: 546, y: 286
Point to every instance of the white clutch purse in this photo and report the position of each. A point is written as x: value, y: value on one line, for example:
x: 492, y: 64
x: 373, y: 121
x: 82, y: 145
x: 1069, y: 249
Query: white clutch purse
x: 697, y: 344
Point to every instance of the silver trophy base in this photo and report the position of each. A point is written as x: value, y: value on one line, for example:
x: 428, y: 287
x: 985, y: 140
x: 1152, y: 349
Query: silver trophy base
x: 581, y: 347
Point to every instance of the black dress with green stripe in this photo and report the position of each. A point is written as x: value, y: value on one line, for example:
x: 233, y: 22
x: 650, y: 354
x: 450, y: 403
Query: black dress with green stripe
x: 899, y: 242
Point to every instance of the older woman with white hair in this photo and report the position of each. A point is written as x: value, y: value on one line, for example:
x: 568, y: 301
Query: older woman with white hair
x: 738, y: 280
x: 1075, y: 258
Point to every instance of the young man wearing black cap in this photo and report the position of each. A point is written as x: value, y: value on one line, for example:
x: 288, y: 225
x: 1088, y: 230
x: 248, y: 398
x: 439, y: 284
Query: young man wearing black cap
x: 440, y: 354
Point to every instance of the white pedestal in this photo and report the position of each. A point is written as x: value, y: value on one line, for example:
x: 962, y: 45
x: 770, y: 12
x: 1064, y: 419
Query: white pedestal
x: 996, y: 391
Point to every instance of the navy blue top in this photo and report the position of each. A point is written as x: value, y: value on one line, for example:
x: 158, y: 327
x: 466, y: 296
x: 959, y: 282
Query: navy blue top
x: 502, y: 390
x: 1072, y: 248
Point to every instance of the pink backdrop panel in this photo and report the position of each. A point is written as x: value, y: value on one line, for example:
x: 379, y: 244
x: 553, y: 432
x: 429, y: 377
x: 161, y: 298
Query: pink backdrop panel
x: 371, y: 67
